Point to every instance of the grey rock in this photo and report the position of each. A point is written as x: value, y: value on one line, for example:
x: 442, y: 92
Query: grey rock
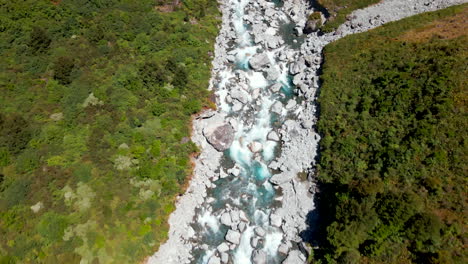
x: 275, y: 220
x: 224, y: 258
x: 273, y: 136
x: 226, y: 219
x: 276, y: 87
x: 283, y: 249
x: 260, y: 231
x: 258, y: 61
x: 214, y: 260
x: 233, y: 237
x: 277, y: 107
x: 294, y: 257
x: 291, y: 104
x: 220, y: 137
x: 307, y: 124
x: 223, y: 247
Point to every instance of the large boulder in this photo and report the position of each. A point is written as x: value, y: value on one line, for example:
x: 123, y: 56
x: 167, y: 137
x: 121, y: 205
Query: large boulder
x: 258, y: 61
x: 220, y: 137
x: 233, y: 237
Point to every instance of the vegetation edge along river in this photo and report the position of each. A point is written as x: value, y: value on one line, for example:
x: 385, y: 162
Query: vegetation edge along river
x: 95, y: 106
x: 393, y: 158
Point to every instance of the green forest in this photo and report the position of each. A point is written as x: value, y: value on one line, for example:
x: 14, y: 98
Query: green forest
x: 96, y: 99
x: 394, y: 153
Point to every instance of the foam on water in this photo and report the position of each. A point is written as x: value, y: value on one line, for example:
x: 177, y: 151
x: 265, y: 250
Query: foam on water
x: 244, y: 252
x: 209, y: 220
x: 272, y: 242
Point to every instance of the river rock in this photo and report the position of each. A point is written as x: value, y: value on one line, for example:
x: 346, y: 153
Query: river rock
x: 273, y: 136
x: 234, y: 216
x: 214, y: 260
x: 307, y: 124
x: 243, y: 216
x: 259, y: 257
x: 276, y: 87
x: 260, y: 231
x: 233, y: 237
x: 226, y: 219
x: 294, y: 257
x: 291, y: 104
x: 255, y: 146
x: 272, y: 74
x: 235, y: 171
x: 258, y: 61
x: 242, y: 226
x: 275, y: 220
x: 220, y: 137
x: 277, y: 108
x: 283, y: 249
x: 223, y: 247
x: 240, y: 95
x: 224, y: 258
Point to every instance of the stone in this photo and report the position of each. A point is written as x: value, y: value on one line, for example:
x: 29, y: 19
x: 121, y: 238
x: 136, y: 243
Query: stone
x: 234, y: 216
x: 255, y: 146
x: 214, y: 260
x: 254, y: 242
x: 273, y: 136
x: 37, y: 207
x: 275, y: 220
x: 277, y: 107
x: 240, y: 95
x: 283, y: 249
x: 243, y: 216
x: 56, y: 116
x: 233, y: 237
x: 259, y: 257
x: 234, y: 171
x: 291, y: 104
x: 220, y: 137
x: 272, y: 74
x: 294, y: 257
x: 242, y: 226
x: 237, y: 106
x: 258, y: 61
x: 260, y: 231
x: 226, y: 219
x: 255, y: 93
x: 276, y: 87
x: 224, y: 258
x: 223, y: 247
x: 307, y: 124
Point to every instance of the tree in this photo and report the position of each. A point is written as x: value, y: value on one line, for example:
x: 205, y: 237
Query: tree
x: 39, y: 41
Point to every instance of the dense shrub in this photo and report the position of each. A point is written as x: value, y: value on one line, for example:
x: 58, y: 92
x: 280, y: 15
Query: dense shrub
x: 393, y: 158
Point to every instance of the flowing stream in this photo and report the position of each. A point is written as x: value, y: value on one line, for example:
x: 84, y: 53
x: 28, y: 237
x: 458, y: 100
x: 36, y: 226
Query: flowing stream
x: 243, y: 195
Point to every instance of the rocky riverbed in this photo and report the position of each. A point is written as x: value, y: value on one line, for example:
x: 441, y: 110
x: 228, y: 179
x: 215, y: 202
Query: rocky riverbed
x: 246, y: 202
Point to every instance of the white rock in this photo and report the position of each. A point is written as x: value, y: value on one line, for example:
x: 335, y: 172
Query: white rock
x: 277, y: 107
x: 260, y: 231
x: 223, y: 247
x: 276, y: 87
x: 233, y: 237
x: 275, y: 220
x: 255, y: 146
x: 214, y: 260
x: 224, y: 258
x: 226, y: 219
x: 273, y: 136
x: 291, y: 104
x: 283, y: 249
x: 37, y: 207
